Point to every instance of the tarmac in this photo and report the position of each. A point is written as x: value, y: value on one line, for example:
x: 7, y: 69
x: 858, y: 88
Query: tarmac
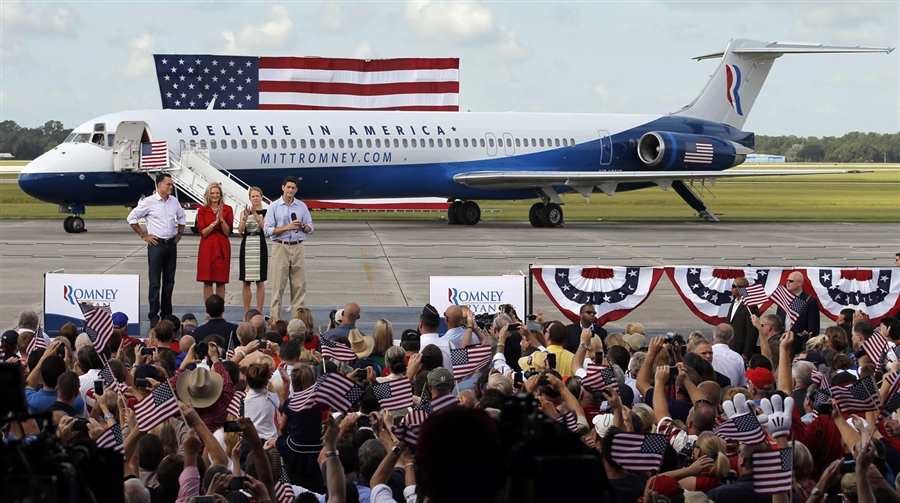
x: 385, y: 265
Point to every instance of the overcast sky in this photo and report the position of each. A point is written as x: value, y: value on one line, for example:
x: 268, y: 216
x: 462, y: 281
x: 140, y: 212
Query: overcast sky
x: 75, y: 61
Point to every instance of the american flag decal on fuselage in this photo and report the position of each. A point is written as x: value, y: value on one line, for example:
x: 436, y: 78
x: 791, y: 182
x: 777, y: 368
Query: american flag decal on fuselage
x: 698, y: 152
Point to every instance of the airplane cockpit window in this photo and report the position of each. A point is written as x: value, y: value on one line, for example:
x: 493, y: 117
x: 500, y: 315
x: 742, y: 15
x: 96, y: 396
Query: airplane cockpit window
x: 70, y: 137
x: 99, y: 139
x: 110, y: 140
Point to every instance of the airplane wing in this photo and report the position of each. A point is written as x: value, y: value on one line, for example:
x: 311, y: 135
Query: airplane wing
x: 584, y: 182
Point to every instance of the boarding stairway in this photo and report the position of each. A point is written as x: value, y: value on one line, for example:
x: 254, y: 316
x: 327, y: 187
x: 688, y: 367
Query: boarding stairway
x: 193, y: 171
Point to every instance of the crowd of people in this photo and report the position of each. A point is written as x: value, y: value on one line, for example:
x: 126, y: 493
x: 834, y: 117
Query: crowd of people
x: 256, y: 411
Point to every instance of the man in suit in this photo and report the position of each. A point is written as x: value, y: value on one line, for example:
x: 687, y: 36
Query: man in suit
x: 745, y: 334
x: 588, y: 320
x: 808, y: 320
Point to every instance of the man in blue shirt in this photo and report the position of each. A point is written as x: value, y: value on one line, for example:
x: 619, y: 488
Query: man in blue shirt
x: 288, y: 224
x: 47, y: 371
x: 348, y: 322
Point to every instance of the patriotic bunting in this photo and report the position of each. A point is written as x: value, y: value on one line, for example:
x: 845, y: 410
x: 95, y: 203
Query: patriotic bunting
x: 858, y: 397
x: 875, y: 291
x: 337, y: 351
x: 156, y: 407
x: 112, y: 439
x: 772, y: 471
x: 599, y: 377
x: 742, y: 428
x: 394, y: 395
x: 637, y: 452
x: 469, y: 359
x: 614, y: 291
x: 707, y: 290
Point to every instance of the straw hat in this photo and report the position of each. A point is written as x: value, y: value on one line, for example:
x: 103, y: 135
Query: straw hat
x: 201, y: 386
x: 360, y: 344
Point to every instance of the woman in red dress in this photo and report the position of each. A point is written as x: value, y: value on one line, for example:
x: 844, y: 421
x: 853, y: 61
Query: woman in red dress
x: 214, y: 220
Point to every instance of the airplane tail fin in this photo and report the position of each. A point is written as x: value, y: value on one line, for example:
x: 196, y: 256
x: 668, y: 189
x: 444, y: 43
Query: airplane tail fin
x: 731, y: 91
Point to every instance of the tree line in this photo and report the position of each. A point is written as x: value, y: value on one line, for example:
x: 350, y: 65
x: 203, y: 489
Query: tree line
x: 28, y: 143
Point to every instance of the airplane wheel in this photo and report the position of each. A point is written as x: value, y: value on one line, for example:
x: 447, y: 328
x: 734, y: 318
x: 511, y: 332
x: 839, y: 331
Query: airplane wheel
x: 552, y: 215
x: 77, y: 225
x: 534, y: 215
x: 67, y: 224
x: 453, y: 213
x: 469, y: 213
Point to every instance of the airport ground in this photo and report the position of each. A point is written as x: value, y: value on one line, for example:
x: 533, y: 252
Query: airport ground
x: 385, y: 265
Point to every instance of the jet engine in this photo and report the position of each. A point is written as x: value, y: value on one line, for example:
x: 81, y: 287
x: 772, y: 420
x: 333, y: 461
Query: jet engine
x: 666, y: 151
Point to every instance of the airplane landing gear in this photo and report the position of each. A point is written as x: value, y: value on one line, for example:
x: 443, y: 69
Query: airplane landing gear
x: 452, y: 213
x: 534, y: 214
x: 463, y: 213
x: 545, y: 215
x: 73, y: 224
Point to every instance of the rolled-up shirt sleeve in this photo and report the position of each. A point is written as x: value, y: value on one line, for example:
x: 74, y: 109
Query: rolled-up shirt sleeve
x: 181, y: 218
x: 306, y: 218
x: 189, y: 483
x: 269, y: 224
x: 140, y: 211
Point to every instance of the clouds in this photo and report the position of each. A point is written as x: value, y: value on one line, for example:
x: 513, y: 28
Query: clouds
x: 272, y: 33
x: 140, y: 57
x: 856, y: 23
x: 45, y: 19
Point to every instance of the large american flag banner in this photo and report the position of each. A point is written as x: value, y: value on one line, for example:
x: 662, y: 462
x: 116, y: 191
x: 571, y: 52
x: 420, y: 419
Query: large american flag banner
x: 98, y: 324
x: 706, y: 291
x: 154, y: 154
x: 337, y: 351
x: 637, y: 452
x: 698, y: 152
x: 753, y: 295
x: 772, y: 471
x: 742, y: 428
x: 112, y: 439
x: 284, y: 491
x: 858, y: 397
x: 599, y: 377
x: 236, y: 405
x: 874, y: 347
x: 791, y: 304
x: 395, y: 394
x: 289, y: 83
x: 156, y: 407
x: 469, y: 359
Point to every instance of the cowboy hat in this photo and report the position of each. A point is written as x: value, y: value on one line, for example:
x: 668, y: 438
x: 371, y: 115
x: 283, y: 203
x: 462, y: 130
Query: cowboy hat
x: 201, y: 386
x: 360, y: 344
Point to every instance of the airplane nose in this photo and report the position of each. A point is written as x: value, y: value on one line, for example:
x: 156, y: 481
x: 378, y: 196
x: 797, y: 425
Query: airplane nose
x: 61, y: 175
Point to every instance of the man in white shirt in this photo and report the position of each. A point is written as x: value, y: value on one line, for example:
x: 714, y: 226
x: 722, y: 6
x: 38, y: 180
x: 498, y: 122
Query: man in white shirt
x: 726, y: 361
x: 165, y: 221
x: 429, y: 321
x: 29, y: 321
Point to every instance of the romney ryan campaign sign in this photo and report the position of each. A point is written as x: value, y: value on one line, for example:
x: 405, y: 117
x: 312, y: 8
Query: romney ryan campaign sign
x: 63, y: 292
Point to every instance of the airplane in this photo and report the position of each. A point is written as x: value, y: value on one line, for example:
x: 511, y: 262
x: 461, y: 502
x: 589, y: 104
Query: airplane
x: 460, y: 156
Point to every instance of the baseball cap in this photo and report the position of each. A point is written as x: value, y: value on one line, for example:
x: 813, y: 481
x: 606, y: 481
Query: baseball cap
x: 440, y: 379
x: 188, y: 316
x: 296, y: 327
x: 120, y: 320
x: 636, y: 341
x: 145, y: 371
x: 410, y: 334
x: 10, y: 337
x: 602, y: 424
x: 760, y: 377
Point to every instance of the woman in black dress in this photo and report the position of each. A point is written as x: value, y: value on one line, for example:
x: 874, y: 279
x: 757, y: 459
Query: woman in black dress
x: 254, y: 261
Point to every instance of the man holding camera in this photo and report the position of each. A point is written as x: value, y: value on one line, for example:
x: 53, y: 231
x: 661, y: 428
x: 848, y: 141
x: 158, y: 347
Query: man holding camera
x: 208, y: 392
x: 588, y: 320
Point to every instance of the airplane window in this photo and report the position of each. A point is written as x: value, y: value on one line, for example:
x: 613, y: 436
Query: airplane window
x: 234, y: 144
x: 557, y: 142
x: 293, y: 143
x: 212, y: 143
x: 517, y: 142
x: 490, y: 142
x: 350, y: 143
x: 321, y: 143
x: 405, y: 143
x: 302, y: 143
x: 244, y: 144
x: 481, y: 141
x: 368, y: 143
x: 81, y: 138
x: 396, y: 143
x: 413, y: 142
x: 224, y: 144
x: 70, y: 138
x: 465, y: 142
x: 456, y: 142
x: 572, y: 141
x: 264, y: 143
x: 509, y: 142
x: 542, y: 142
x: 341, y: 143
x: 283, y: 143
x: 359, y: 143
x: 193, y: 143
x: 549, y: 142
x: 331, y: 142
x: 378, y: 142
x: 565, y: 143
x: 440, y: 143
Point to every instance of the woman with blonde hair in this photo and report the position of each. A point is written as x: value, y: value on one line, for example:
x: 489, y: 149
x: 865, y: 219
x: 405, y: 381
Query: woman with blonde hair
x: 615, y: 339
x: 634, y: 328
x: 384, y: 339
x: 214, y: 220
x: 709, y: 465
x: 254, y: 258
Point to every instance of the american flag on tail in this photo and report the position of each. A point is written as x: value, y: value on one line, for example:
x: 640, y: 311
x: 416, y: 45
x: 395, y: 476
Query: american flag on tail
x: 109, y: 379
x: 332, y: 391
x: 772, y: 471
x: 156, y: 407
x: 98, y: 324
x: 407, y: 431
x: 469, y: 359
x: 284, y: 491
x: 858, y: 397
x: 753, y: 295
x: 236, y: 405
x: 112, y: 439
x: 742, y: 428
x: 599, y: 377
x: 875, y: 347
x: 395, y: 394
x: 570, y: 421
x: 791, y: 304
x: 637, y: 452
x: 337, y: 351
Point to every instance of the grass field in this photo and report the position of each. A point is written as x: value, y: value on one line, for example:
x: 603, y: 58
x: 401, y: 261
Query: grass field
x: 862, y: 197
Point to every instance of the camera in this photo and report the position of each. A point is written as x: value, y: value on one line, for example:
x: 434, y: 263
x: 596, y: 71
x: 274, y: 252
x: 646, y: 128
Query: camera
x: 263, y: 344
x: 141, y: 383
x: 363, y: 422
x: 231, y: 427
x: 98, y: 387
x: 426, y: 360
x: 823, y: 409
x: 237, y: 483
x: 512, y: 327
x: 528, y: 373
x: 201, y: 349
x: 361, y: 374
x: 146, y: 351
x: 849, y: 464
x: 484, y: 320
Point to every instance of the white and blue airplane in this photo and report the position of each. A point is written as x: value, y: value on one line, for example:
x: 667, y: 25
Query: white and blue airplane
x: 459, y: 156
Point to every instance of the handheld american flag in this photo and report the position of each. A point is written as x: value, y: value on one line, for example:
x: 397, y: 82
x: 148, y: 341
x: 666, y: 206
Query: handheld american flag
x: 637, y: 452
x: 304, y: 399
x: 858, y: 397
x: 772, y: 471
x: 154, y: 154
x: 338, y: 393
x: 156, y: 407
x: 109, y: 379
x: 229, y: 353
x: 112, y: 439
x: 791, y: 304
x: 446, y: 402
x: 469, y: 359
x: 570, y: 421
x: 819, y: 379
x: 98, y: 324
x: 337, y: 351
x: 407, y: 431
x: 742, y: 428
x: 753, y: 295
x: 236, y: 405
x: 37, y: 342
x: 394, y: 395
x: 284, y: 491
x: 893, y: 401
x: 599, y: 377
x: 874, y: 347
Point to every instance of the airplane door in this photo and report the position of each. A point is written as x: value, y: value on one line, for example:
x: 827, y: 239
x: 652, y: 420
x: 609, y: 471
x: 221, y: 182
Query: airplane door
x: 508, y: 147
x: 127, y: 146
x: 491, y: 142
x: 605, y: 148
